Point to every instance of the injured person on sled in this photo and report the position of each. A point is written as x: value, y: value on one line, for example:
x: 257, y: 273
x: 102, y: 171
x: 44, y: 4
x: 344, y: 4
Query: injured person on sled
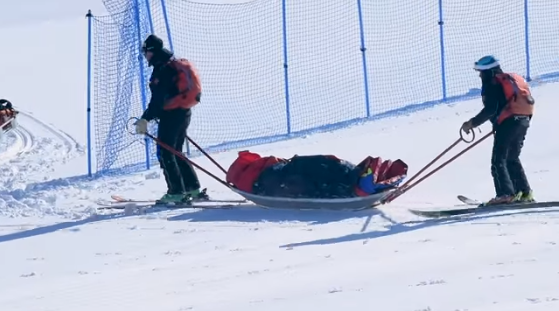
x: 314, y: 176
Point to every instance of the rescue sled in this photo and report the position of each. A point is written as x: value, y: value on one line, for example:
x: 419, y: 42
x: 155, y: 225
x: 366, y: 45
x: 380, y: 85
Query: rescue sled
x: 379, y: 181
x: 314, y: 182
x: 358, y: 201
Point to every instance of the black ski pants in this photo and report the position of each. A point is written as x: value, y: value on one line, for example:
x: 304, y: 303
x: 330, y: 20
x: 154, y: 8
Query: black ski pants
x: 179, y: 174
x: 508, y: 174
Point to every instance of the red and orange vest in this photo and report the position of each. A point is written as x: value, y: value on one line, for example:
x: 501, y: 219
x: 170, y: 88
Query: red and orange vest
x: 188, y: 84
x: 518, y: 95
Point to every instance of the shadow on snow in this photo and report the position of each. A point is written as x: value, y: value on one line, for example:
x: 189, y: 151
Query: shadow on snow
x: 254, y: 215
x: 410, y: 226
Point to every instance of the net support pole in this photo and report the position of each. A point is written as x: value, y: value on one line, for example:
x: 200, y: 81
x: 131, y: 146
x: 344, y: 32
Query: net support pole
x: 527, y: 40
x: 148, y: 10
x: 167, y: 26
x: 88, y: 109
x: 364, y: 57
x: 441, y: 43
x: 285, y: 71
x: 142, y: 71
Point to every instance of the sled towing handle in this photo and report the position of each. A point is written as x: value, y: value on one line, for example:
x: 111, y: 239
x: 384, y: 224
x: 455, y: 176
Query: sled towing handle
x: 409, y: 185
x: 206, y: 154
x: 184, y: 158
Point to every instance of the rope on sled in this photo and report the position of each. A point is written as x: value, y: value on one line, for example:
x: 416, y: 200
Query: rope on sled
x: 409, y: 185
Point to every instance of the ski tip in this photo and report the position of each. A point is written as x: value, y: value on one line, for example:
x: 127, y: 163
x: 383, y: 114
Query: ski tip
x: 117, y: 197
x: 468, y: 201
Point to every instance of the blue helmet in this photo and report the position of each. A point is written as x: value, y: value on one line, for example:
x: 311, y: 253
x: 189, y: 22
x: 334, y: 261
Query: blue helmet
x: 486, y: 63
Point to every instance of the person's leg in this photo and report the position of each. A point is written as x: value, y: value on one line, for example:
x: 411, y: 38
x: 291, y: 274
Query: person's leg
x: 167, y: 134
x: 517, y: 174
x: 161, y: 163
x: 504, y: 190
x: 189, y: 176
x: 160, y: 134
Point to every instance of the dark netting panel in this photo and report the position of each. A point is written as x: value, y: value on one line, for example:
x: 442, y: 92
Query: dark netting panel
x: 116, y: 90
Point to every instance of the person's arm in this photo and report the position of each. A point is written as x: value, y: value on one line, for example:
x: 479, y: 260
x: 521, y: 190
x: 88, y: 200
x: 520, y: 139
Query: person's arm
x: 493, y: 98
x: 159, y: 93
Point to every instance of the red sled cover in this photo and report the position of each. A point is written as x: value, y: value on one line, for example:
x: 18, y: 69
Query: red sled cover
x: 244, y: 171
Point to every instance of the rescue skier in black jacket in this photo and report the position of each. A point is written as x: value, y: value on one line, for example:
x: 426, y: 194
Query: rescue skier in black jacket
x: 175, y: 89
x: 508, y: 105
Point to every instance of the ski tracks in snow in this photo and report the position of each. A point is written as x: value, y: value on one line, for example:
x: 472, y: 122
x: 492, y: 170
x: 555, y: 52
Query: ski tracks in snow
x: 15, y: 143
x: 32, y: 152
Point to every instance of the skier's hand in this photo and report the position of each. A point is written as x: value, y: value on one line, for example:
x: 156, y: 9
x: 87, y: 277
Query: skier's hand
x: 467, y: 126
x: 141, y: 126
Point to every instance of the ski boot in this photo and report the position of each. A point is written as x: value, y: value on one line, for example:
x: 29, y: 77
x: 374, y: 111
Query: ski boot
x: 501, y: 200
x: 524, y: 197
x: 197, y: 195
x: 172, y: 199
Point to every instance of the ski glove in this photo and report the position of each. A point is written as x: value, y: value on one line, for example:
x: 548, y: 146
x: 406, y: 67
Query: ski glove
x: 467, y: 126
x: 141, y: 126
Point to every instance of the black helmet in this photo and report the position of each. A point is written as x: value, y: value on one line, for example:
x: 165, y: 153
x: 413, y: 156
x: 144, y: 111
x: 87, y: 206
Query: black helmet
x: 5, y: 104
x: 152, y: 43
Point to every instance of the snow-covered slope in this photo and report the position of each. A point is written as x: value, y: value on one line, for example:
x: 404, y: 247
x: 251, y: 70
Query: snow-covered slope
x: 59, y: 253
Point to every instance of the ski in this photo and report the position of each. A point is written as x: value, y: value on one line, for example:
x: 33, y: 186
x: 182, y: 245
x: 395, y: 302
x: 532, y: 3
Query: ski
x: 469, y: 201
x: 120, y: 199
x: 483, y: 209
x: 151, y: 206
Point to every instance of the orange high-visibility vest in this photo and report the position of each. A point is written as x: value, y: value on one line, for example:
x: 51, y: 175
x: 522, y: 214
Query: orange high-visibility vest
x: 518, y: 95
x: 188, y: 84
